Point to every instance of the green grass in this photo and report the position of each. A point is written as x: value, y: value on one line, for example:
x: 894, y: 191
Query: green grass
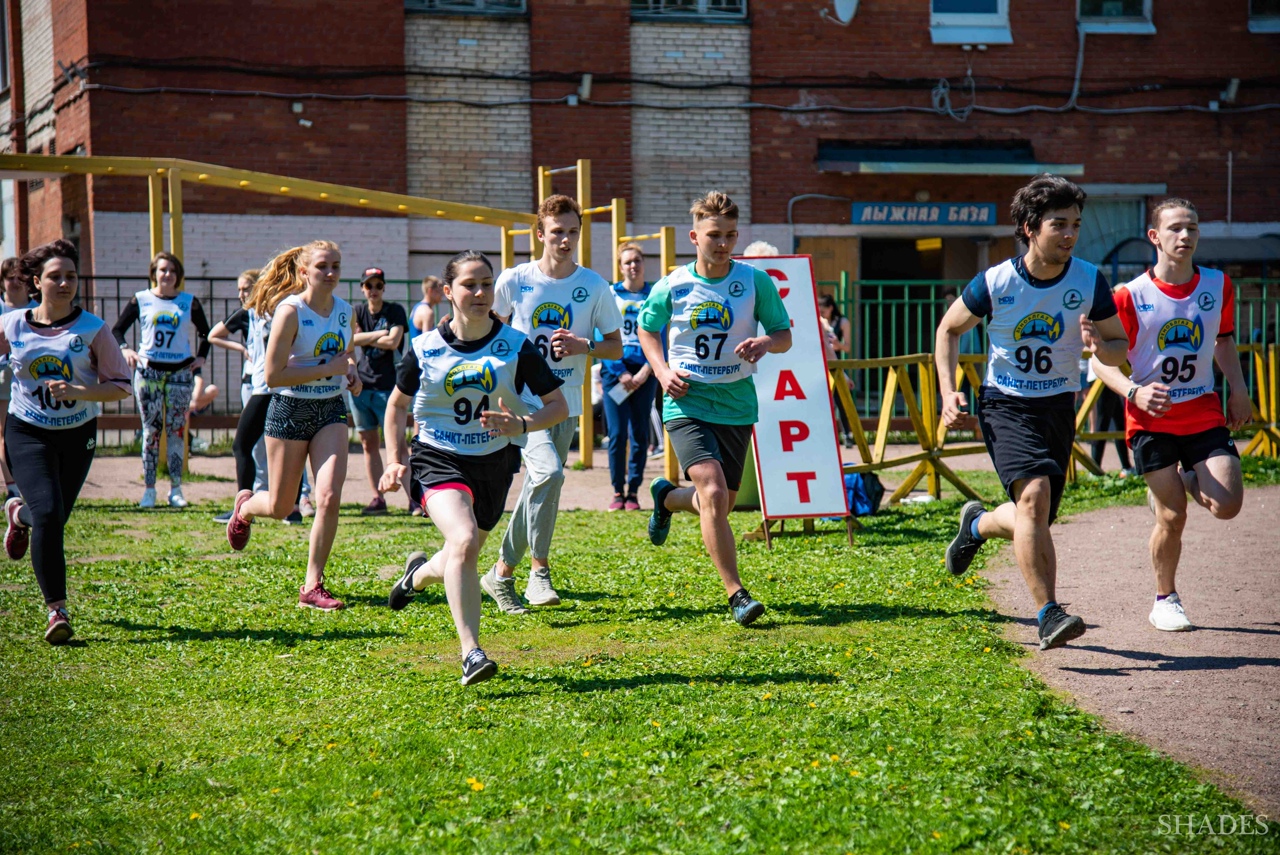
x: 876, y: 708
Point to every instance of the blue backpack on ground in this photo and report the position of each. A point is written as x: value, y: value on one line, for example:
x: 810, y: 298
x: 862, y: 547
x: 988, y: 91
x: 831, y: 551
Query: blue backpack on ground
x: 864, y: 492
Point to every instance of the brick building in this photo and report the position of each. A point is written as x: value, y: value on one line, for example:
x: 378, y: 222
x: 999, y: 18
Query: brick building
x: 885, y: 137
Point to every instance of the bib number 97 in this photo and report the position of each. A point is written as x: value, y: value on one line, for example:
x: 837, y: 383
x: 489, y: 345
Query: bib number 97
x: 1041, y: 360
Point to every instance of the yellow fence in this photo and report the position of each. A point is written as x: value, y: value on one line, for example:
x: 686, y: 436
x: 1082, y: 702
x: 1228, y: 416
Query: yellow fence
x: 920, y: 401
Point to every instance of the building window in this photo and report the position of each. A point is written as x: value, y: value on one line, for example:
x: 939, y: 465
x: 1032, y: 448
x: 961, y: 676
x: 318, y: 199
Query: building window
x: 4, y: 51
x: 468, y: 7
x: 1126, y: 17
x: 953, y: 22
x: 1264, y: 16
x: 694, y: 10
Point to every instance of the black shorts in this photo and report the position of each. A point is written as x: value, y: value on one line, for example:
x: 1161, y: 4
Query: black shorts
x: 695, y: 441
x: 302, y: 418
x: 1155, y: 451
x: 1029, y: 437
x: 488, y: 476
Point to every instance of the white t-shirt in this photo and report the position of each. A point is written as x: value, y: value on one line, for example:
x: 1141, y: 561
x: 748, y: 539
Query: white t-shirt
x: 539, y: 305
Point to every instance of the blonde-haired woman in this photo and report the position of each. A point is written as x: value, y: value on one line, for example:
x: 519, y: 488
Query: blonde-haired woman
x: 308, y: 364
x: 163, y: 367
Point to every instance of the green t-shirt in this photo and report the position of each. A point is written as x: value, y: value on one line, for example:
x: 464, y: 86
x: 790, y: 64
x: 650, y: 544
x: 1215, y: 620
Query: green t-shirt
x: 732, y: 403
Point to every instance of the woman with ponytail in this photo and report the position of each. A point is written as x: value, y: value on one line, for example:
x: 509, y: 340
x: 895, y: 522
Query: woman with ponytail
x: 307, y: 366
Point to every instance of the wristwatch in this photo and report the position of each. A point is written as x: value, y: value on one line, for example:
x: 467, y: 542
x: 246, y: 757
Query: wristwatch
x: 591, y: 345
x: 1133, y: 390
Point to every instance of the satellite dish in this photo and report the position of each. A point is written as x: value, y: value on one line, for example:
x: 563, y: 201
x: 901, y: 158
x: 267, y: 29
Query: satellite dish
x: 845, y: 10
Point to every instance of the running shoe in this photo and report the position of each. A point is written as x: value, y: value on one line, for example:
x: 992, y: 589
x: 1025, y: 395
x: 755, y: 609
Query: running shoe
x: 964, y: 546
x: 503, y: 592
x: 59, y: 630
x: 660, y: 519
x: 539, y: 591
x: 1167, y: 615
x: 744, y: 607
x: 1058, y: 628
x: 631, y: 503
x: 16, y: 535
x: 376, y: 507
x: 617, y: 504
x: 415, y: 510
x: 294, y: 517
x: 306, y: 506
x: 239, y: 529
x: 318, y: 598
x: 223, y: 518
x: 477, y: 667
x: 148, y: 498
x: 403, y: 591
x: 176, y: 499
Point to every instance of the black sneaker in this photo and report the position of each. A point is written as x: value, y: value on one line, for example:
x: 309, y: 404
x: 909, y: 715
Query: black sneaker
x: 294, y: 517
x: 403, y: 591
x: 223, y: 518
x: 745, y: 608
x: 477, y: 667
x: 961, y: 551
x: 1058, y: 628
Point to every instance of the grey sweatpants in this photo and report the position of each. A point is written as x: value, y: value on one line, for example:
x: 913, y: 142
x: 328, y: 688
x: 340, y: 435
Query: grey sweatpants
x: 533, y: 521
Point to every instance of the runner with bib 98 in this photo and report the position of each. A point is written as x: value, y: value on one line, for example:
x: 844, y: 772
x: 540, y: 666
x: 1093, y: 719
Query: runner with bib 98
x: 1043, y: 309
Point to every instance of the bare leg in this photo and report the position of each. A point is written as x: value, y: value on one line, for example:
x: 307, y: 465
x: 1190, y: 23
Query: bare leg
x: 711, y: 499
x: 286, y: 459
x: 454, y: 516
x: 328, y: 452
x: 1032, y: 543
x: 372, y: 457
x: 1171, y: 517
x: 1217, y: 485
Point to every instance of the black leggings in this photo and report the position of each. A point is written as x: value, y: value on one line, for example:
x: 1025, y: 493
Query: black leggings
x: 252, y: 425
x: 50, y: 467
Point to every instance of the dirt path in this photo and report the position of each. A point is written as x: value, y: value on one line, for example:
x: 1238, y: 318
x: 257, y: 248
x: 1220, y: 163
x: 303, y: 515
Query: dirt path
x: 1210, y: 697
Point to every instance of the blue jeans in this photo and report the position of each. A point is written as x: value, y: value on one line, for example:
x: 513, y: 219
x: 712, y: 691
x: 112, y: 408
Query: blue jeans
x: 631, y: 417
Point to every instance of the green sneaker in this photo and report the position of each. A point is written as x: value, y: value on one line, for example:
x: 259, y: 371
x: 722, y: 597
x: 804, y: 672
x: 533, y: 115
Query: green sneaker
x: 660, y: 519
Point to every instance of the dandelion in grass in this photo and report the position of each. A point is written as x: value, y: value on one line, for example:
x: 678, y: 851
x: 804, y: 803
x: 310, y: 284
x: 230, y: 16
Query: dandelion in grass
x: 937, y: 835
x: 194, y: 816
x: 476, y: 786
x: 766, y: 696
x: 986, y: 650
x: 1065, y: 826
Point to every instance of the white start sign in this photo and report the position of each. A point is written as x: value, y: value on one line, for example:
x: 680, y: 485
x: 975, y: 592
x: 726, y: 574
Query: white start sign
x: 798, y: 465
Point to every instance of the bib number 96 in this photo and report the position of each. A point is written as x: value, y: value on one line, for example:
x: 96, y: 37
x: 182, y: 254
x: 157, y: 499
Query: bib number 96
x: 1040, y: 360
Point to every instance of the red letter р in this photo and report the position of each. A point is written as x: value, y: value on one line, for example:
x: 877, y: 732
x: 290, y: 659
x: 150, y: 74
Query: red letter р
x: 793, y: 432
x: 802, y: 480
x: 788, y: 387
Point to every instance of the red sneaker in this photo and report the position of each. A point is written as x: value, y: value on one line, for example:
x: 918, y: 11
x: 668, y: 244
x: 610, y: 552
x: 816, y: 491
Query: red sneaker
x: 616, y: 504
x: 238, y: 528
x: 16, y: 535
x: 59, y: 629
x: 318, y: 598
x: 632, y: 503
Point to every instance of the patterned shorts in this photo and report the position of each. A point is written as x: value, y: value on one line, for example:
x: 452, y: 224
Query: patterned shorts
x: 302, y: 418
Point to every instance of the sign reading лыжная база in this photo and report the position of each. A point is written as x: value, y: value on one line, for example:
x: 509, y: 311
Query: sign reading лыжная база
x: 928, y: 213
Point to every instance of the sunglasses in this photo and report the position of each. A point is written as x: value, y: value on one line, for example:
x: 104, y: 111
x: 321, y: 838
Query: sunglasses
x: 375, y: 285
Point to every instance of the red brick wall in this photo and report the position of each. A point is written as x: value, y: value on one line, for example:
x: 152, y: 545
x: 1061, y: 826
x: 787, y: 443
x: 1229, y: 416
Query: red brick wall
x: 360, y: 143
x: 574, y: 36
x: 1200, y: 40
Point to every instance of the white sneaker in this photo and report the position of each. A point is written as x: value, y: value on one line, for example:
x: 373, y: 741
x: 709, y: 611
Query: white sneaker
x: 539, y: 591
x: 305, y: 507
x: 176, y: 499
x: 1167, y: 615
x: 148, y: 498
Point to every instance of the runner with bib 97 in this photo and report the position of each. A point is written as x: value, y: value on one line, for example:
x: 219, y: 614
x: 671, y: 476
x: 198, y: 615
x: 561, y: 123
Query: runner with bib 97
x: 1043, y: 309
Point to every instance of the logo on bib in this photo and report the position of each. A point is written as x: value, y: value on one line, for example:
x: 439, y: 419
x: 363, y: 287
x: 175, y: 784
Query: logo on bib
x: 580, y: 295
x: 501, y: 348
x: 330, y: 344
x: 553, y: 315
x: 711, y: 314
x: 1039, y: 325
x: 1205, y: 301
x: 475, y: 375
x: 167, y: 320
x: 737, y: 289
x: 77, y: 344
x: 50, y: 367
x: 1072, y: 300
x: 1182, y: 333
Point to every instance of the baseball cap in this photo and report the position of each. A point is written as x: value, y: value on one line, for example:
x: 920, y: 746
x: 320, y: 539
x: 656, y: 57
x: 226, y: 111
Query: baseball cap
x: 373, y: 273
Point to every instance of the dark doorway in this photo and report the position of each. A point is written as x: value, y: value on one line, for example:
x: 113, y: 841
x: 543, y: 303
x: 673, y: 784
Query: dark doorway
x: 909, y: 258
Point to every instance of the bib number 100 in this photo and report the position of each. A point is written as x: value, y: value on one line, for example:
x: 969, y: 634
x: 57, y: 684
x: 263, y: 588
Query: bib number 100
x: 48, y: 402
x: 1040, y: 360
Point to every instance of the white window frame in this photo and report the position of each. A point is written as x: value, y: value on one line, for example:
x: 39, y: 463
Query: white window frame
x: 1129, y: 25
x: 971, y: 28
x: 1263, y: 23
x: 463, y: 7
x: 703, y: 13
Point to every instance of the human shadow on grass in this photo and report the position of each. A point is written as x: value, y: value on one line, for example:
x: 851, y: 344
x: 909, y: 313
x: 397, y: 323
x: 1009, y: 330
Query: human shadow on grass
x: 285, y: 637
x: 1166, y: 662
x: 669, y: 678
x: 819, y: 614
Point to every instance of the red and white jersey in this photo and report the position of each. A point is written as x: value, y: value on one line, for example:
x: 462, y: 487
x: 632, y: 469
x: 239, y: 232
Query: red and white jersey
x: 1172, y: 331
